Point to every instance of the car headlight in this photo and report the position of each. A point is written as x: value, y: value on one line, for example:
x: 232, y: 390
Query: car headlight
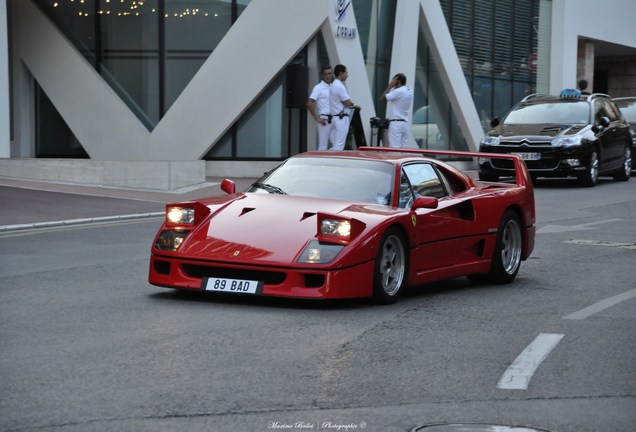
x: 186, y: 214
x: 180, y: 215
x: 319, y: 253
x: 338, y: 228
x: 170, y: 240
x: 490, y: 141
x: 567, y: 141
x: 334, y: 229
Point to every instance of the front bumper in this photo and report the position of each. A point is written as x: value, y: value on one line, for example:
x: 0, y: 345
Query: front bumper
x: 351, y: 282
x: 552, y: 162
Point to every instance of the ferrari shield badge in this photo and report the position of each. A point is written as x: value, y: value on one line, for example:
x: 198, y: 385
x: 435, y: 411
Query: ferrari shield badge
x: 413, y: 219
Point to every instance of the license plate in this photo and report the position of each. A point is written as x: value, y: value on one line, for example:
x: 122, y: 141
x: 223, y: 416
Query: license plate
x: 529, y: 156
x: 239, y: 286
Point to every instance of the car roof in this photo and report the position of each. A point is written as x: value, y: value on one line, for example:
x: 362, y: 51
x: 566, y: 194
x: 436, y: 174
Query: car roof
x: 396, y: 158
x: 545, y: 98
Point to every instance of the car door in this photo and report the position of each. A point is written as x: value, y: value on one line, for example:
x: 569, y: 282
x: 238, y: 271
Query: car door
x: 439, y: 232
x: 611, y: 139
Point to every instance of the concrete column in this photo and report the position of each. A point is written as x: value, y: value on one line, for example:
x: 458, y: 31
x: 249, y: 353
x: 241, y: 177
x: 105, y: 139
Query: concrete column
x: 585, y: 63
x: 5, y: 118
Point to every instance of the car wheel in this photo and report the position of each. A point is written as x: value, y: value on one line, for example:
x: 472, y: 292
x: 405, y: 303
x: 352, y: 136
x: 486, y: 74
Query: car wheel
x: 509, y: 244
x: 590, y: 177
x: 488, y: 177
x: 390, y: 268
x: 625, y: 171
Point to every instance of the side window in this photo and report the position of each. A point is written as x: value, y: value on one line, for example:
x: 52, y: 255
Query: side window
x: 406, y: 192
x: 604, y: 109
x: 424, y: 180
x: 612, y: 111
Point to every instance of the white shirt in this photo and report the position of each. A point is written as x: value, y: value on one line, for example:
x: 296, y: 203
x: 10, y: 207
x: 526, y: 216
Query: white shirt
x: 337, y: 94
x: 320, y: 94
x: 400, y: 98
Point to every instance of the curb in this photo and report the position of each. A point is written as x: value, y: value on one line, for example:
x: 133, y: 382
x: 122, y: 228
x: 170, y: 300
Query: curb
x: 76, y: 222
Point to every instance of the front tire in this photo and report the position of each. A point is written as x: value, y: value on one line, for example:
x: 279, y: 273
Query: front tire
x: 590, y: 177
x: 508, y: 248
x: 625, y: 171
x: 390, y: 268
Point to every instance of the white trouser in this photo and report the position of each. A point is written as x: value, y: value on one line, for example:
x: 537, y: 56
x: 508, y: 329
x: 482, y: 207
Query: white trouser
x: 339, y: 132
x: 323, y: 135
x: 398, y: 134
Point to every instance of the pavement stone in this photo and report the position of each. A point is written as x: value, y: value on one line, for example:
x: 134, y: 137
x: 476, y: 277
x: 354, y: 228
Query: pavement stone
x: 30, y: 205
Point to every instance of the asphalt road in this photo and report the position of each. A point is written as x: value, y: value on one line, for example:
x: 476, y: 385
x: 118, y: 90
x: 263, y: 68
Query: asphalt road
x: 86, y: 344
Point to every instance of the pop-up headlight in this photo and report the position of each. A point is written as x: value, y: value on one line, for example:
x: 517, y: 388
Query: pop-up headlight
x: 180, y: 215
x: 185, y: 214
x: 336, y: 229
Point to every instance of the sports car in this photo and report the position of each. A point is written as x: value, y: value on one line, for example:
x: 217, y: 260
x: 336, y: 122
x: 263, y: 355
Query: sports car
x: 363, y: 223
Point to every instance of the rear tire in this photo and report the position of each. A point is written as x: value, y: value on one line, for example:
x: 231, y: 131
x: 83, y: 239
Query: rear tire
x: 625, y: 171
x: 508, y: 248
x: 390, y: 268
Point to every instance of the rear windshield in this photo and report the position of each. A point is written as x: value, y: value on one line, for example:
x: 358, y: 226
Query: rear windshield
x: 550, y: 113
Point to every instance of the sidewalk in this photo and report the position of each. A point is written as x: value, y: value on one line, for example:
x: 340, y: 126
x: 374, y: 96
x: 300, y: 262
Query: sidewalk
x: 29, y: 204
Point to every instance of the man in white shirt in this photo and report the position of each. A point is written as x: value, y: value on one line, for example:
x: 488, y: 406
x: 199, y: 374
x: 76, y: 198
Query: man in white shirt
x: 318, y: 106
x: 340, y: 102
x: 401, y: 98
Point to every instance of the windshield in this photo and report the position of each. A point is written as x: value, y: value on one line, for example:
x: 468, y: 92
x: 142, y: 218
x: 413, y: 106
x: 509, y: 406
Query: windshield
x: 565, y: 112
x: 346, y: 179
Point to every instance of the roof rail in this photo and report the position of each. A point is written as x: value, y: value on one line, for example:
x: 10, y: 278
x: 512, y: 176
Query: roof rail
x: 532, y: 96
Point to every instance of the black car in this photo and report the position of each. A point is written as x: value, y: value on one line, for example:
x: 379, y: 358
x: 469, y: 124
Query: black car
x: 627, y: 105
x: 567, y: 135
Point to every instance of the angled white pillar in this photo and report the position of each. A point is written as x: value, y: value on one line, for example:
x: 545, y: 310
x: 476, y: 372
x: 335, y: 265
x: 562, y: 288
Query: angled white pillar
x: 443, y: 51
x: 348, y: 51
x: 404, y: 51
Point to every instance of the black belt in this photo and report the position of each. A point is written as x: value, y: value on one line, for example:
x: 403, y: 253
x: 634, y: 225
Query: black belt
x: 397, y: 120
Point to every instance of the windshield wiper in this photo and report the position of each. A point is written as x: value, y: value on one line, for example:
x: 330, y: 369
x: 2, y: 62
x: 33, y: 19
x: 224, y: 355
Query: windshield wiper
x: 269, y: 188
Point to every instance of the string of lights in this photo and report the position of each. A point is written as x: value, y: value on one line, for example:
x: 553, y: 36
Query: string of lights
x: 126, y: 8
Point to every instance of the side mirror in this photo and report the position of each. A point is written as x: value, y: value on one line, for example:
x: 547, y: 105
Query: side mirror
x: 602, y: 124
x: 228, y: 186
x: 495, y: 122
x: 425, y: 202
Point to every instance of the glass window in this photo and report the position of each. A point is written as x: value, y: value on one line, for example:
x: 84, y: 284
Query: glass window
x: 337, y: 178
x: 376, y: 20
x: 424, y: 180
x: 434, y: 125
x: 498, y: 46
x: 193, y: 29
x: 53, y: 136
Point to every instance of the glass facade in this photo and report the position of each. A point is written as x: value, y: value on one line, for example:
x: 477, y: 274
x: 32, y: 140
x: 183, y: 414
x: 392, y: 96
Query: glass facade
x: 149, y: 50
x: 497, y: 42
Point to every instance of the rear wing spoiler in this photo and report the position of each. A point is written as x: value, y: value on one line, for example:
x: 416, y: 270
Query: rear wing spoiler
x: 521, y: 171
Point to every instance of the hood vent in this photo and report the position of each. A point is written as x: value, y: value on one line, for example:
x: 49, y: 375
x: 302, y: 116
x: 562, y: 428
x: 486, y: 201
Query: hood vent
x: 551, y: 131
x: 307, y: 215
x: 246, y: 210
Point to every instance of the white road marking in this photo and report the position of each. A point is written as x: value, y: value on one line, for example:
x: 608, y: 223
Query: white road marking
x: 519, y: 373
x: 566, y: 228
x: 603, y: 243
x: 601, y: 305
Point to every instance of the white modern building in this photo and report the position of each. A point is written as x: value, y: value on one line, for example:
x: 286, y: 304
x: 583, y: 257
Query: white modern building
x: 160, y: 94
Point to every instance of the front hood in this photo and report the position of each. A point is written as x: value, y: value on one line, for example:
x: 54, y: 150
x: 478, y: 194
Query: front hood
x: 267, y: 228
x: 536, y: 132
